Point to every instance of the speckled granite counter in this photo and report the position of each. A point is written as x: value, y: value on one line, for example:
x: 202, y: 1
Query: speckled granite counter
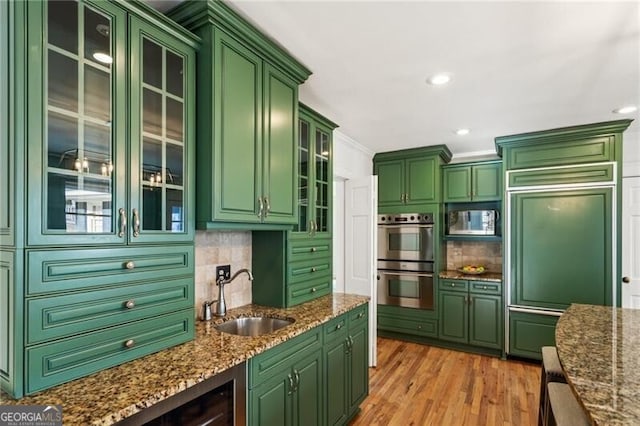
x: 455, y: 275
x: 111, y: 395
x: 599, y: 349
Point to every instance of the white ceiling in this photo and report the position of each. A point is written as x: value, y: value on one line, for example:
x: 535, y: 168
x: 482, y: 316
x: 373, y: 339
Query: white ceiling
x: 516, y: 66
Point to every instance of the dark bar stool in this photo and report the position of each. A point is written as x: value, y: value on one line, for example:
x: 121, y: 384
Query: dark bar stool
x: 565, y: 408
x: 551, y: 373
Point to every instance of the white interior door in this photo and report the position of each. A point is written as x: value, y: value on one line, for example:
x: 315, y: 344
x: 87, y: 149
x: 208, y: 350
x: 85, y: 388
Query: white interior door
x: 631, y: 242
x: 360, y: 247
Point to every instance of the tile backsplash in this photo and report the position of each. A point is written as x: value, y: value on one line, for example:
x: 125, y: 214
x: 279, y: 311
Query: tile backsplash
x: 214, y: 248
x: 486, y: 253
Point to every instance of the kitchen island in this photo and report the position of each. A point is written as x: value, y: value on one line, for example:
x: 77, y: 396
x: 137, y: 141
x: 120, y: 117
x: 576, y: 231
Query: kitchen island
x: 598, y: 347
x: 111, y: 395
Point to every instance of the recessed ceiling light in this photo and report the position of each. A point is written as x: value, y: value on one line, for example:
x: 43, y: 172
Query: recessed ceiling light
x: 625, y: 109
x: 439, y: 79
x: 462, y: 132
x: 103, y: 57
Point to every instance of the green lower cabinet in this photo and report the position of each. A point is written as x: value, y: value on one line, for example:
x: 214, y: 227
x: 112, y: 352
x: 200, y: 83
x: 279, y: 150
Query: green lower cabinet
x: 317, y: 378
x: 529, y: 332
x: 471, y: 313
x: 410, y: 321
x: 346, y: 360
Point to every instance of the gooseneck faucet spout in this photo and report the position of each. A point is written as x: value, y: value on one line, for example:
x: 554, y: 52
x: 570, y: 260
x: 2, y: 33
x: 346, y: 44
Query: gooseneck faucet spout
x: 221, y: 306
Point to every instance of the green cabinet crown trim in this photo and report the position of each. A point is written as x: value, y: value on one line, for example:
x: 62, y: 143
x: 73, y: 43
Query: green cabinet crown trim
x: 441, y: 151
x: 197, y: 14
x: 589, y: 143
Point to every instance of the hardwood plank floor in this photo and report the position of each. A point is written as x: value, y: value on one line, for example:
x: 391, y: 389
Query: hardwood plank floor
x: 424, y: 385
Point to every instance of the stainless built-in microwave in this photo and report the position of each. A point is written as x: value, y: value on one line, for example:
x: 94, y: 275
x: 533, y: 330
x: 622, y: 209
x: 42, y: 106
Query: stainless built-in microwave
x: 472, y: 222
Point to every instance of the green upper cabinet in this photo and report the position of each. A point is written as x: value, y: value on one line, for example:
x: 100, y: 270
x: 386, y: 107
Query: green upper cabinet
x: 247, y: 153
x: 104, y: 181
x: 410, y: 177
x: 472, y: 182
x: 315, y: 175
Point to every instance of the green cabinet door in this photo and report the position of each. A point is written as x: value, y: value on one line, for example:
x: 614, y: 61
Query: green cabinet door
x: 391, y: 178
x: 420, y: 180
x: 77, y: 122
x: 161, y: 131
x: 237, y: 122
x: 454, y: 325
x: 336, y: 373
x: 270, y: 403
x: 359, y: 367
x: 457, y: 184
x: 307, y: 398
x: 529, y: 332
x: 279, y: 147
x: 487, y: 182
x: 476, y: 182
x: 485, y: 320
x: 561, y: 237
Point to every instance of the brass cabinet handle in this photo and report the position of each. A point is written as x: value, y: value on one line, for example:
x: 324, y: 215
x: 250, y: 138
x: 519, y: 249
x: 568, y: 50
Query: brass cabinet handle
x: 136, y: 223
x: 260, y: 208
x: 130, y: 304
x: 123, y: 222
x: 313, y: 249
x: 314, y: 227
x: 338, y: 327
x: 361, y: 314
x: 130, y: 343
x: 406, y: 198
x: 313, y: 269
x: 313, y: 290
x: 310, y: 228
x: 267, y: 207
x: 130, y: 265
x: 297, y: 378
x: 626, y: 280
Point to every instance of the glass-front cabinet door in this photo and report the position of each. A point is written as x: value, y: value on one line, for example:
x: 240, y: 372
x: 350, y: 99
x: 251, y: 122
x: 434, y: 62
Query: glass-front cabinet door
x: 76, y: 118
x: 315, y: 176
x: 163, y: 75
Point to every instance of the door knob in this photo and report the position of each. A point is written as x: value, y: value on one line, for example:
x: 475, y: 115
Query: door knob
x: 626, y: 280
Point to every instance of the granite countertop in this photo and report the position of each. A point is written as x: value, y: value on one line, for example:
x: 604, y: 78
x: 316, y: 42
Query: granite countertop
x: 487, y: 276
x: 598, y: 347
x: 111, y: 395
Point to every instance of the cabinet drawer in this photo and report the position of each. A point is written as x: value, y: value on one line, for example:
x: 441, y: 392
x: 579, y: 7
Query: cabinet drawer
x: 422, y: 327
x: 603, y: 172
x: 529, y: 332
x: 453, y: 285
x: 50, y: 364
x: 276, y: 360
x: 335, y: 329
x: 309, y: 249
x: 485, y: 287
x: 305, y: 271
x: 56, y: 270
x: 308, y: 290
x: 358, y: 317
x: 69, y: 314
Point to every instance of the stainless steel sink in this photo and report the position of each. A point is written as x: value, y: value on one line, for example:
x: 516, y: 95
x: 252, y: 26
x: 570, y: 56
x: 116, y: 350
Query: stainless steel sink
x: 253, y: 326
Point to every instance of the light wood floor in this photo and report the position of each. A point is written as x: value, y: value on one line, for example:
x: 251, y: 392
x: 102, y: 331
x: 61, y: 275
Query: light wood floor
x: 425, y: 385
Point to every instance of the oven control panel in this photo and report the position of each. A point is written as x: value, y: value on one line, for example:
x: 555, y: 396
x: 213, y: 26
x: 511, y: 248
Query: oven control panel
x: 406, y: 218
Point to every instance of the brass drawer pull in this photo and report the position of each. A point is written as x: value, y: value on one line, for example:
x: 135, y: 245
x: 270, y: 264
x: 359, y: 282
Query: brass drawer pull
x: 313, y: 249
x: 313, y: 269
x: 130, y: 265
x: 484, y: 287
x: 361, y: 314
x: 130, y: 304
x: 130, y: 343
x: 338, y: 327
x: 313, y: 290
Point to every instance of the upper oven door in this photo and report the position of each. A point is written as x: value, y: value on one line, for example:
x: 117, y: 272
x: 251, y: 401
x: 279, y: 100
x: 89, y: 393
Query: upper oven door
x: 405, y: 242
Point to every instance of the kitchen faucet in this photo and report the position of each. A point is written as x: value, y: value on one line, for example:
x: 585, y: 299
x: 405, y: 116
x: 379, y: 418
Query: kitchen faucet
x: 221, y: 307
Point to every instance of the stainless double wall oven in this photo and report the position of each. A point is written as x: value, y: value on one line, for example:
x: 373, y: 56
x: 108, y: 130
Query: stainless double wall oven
x: 405, y: 260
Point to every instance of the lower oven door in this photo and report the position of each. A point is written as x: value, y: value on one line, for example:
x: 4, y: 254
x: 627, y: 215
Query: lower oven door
x: 406, y: 289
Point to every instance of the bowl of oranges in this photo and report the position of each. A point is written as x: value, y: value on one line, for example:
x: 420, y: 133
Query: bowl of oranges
x: 472, y: 269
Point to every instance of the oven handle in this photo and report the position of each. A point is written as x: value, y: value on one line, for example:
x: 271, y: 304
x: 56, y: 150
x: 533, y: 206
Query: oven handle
x: 406, y: 225
x: 416, y: 274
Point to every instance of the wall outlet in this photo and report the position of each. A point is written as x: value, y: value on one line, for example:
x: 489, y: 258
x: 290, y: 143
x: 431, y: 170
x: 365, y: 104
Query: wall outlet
x: 223, y: 271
